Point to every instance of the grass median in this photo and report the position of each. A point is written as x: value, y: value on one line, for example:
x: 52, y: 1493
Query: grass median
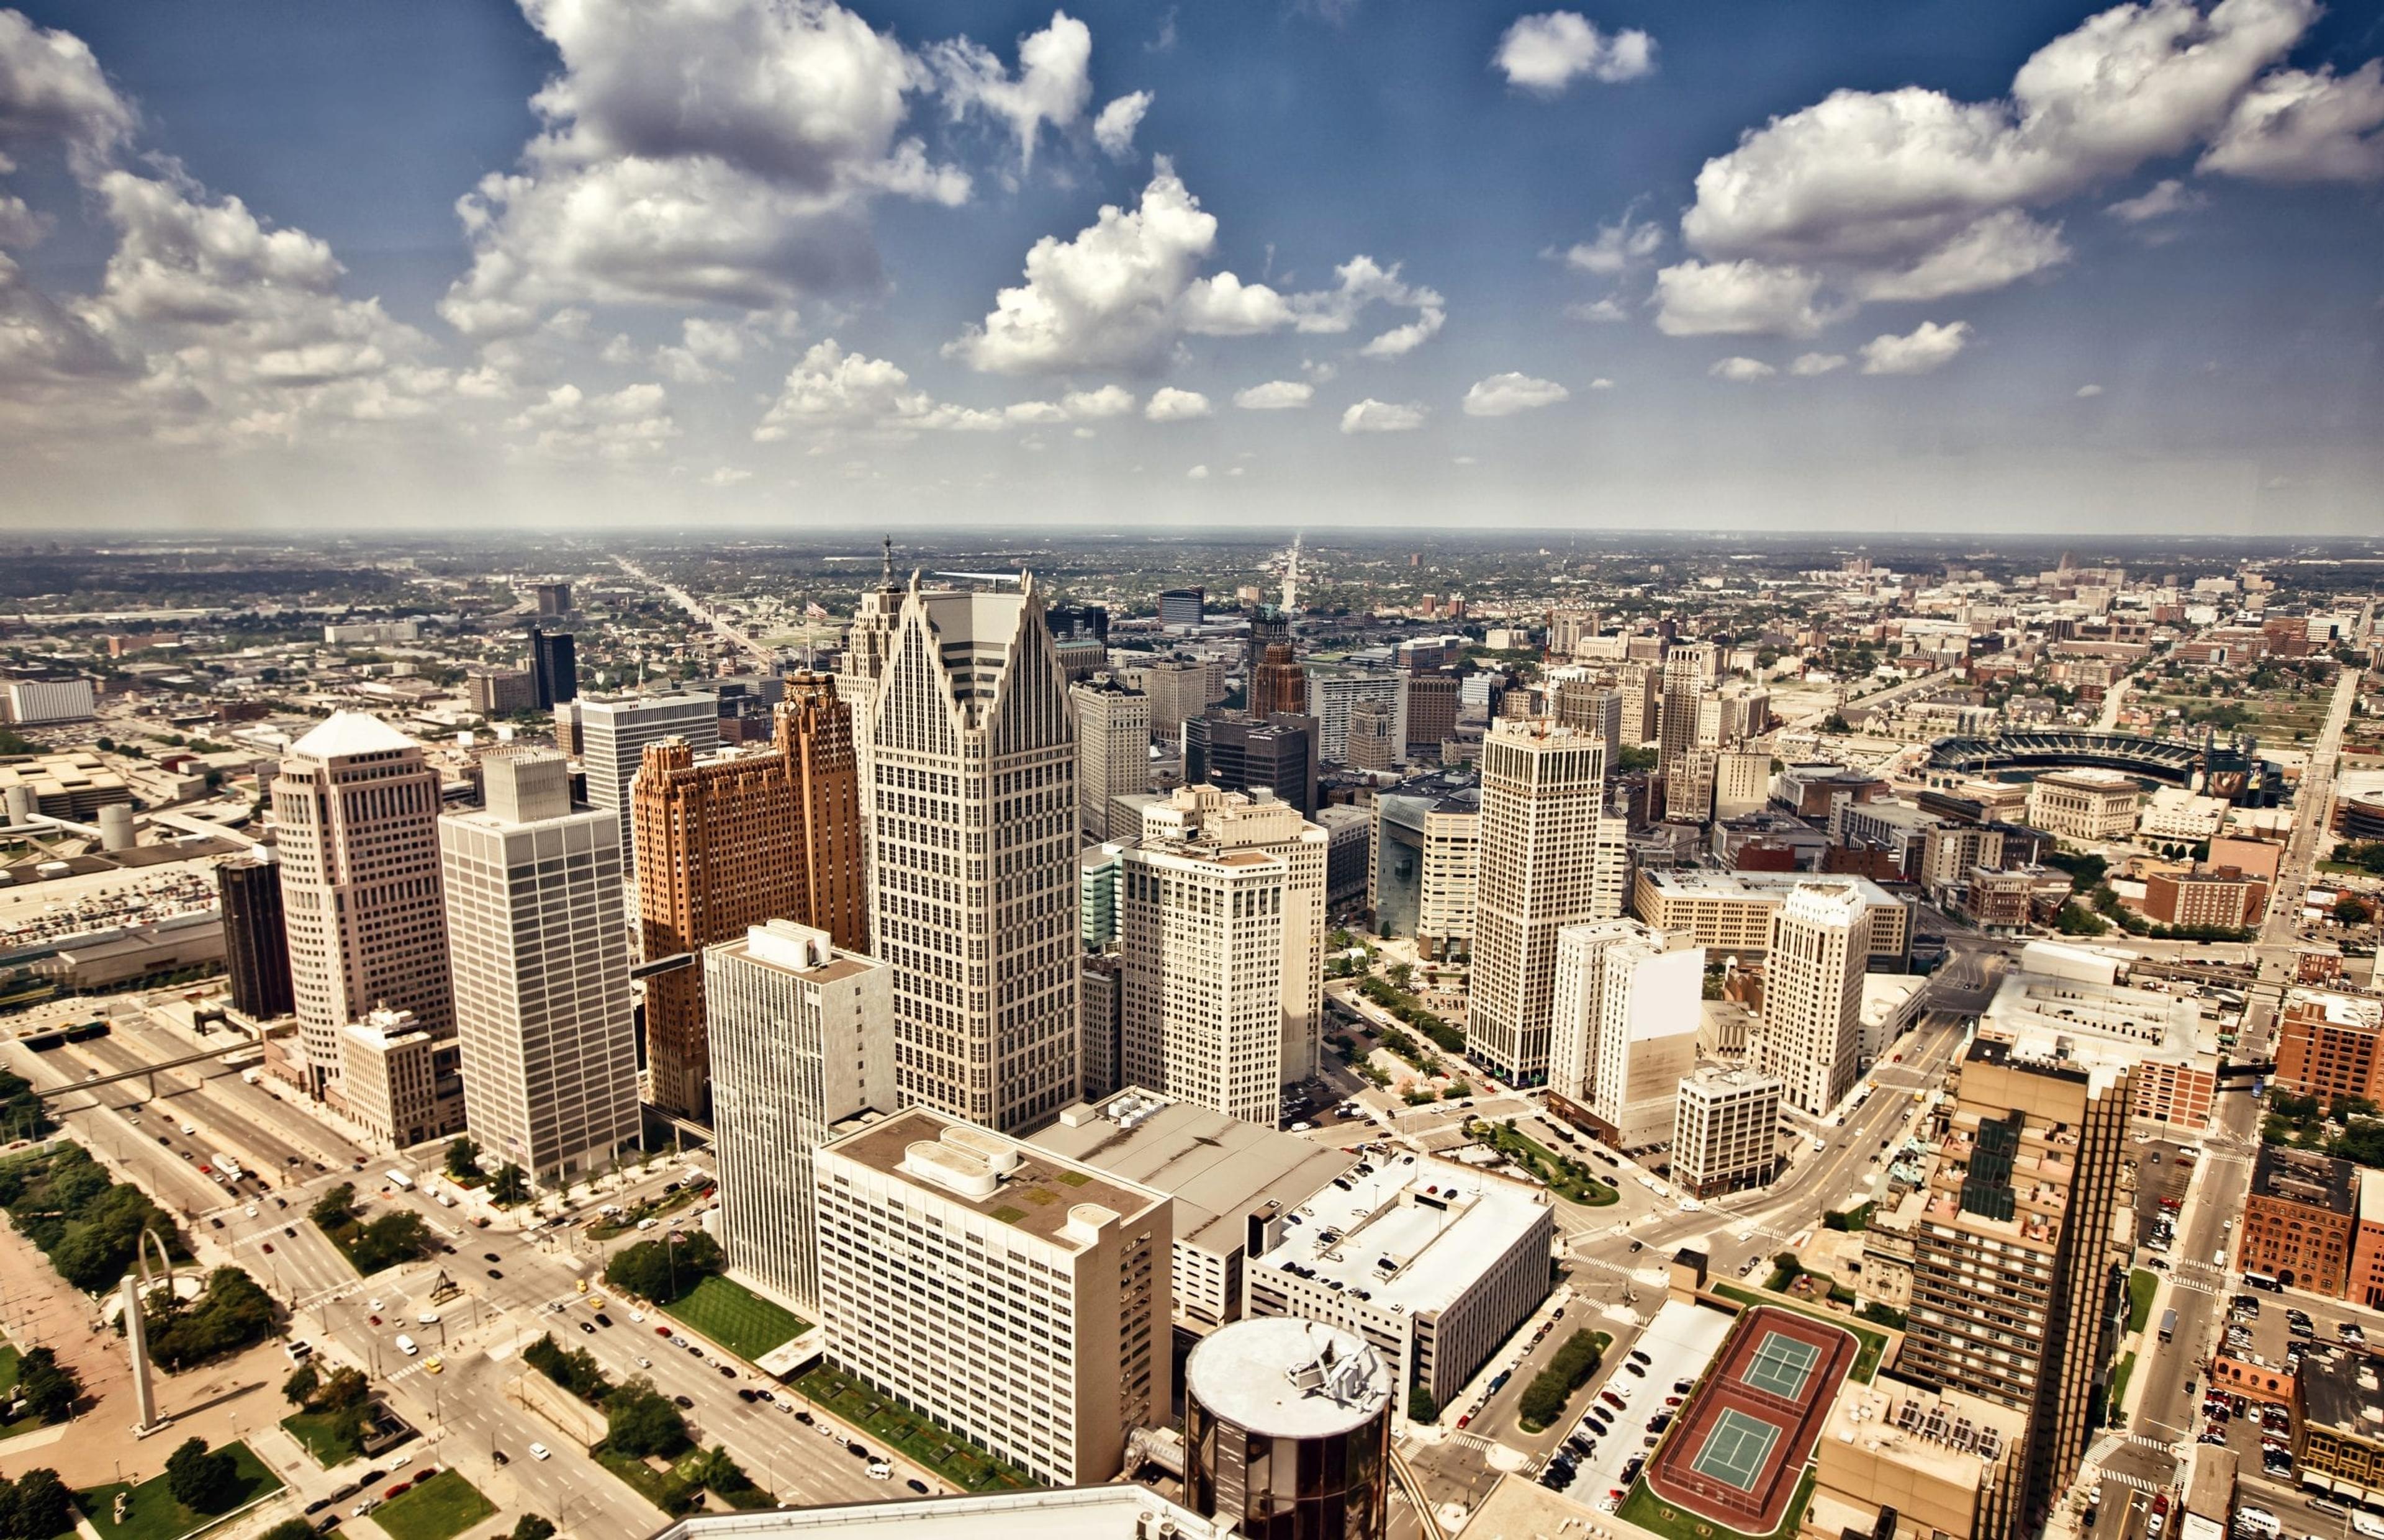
x: 324, y: 1435
x: 439, y: 1508
x: 947, y: 1454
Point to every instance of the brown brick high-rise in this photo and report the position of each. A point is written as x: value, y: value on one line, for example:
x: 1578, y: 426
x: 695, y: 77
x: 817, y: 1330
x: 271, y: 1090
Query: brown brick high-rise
x: 1278, y: 684
x: 736, y: 841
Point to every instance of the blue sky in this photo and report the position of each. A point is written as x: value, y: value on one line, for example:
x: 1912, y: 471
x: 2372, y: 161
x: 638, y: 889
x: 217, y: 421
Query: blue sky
x: 1753, y: 265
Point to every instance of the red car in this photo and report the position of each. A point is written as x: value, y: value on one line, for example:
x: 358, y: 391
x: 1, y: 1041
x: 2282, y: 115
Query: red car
x: 268, y: 1246
x: 1467, y: 1418
x: 395, y: 1491
x: 662, y: 1331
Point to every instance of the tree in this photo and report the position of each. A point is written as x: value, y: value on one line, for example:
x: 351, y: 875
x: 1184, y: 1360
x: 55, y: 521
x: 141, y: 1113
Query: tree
x: 394, y: 1237
x: 1421, y: 1408
x: 50, y: 1389
x: 639, y: 1421
x: 665, y: 1270
x: 463, y: 1158
x: 42, y: 1504
x: 510, y: 1186
x: 199, y: 1480
x: 290, y: 1529
x: 2351, y: 910
x: 299, y: 1388
x: 532, y: 1527
x: 335, y: 1208
x: 345, y: 1387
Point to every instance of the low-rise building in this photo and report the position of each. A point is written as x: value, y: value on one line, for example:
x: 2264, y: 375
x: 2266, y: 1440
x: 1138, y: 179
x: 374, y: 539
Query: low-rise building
x: 2088, y: 804
x: 1728, y: 914
x: 1947, y: 1465
x: 1432, y: 1263
x: 2299, y: 1219
x: 2206, y: 896
x: 1725, y: 1132
x: 2337, y: 1427
x: 2326, y: 1045
x: 1234, y: 1185
x: 404, y: 1085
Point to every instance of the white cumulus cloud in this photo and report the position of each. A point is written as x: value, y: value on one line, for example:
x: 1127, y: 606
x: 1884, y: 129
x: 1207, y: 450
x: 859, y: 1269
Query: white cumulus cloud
x: 2159, y: 201
x: 1722, y: 299
x: 1382, y: 416
x: 1742, y: 371
x: 830, y: 388
x: 1276, y: 395
x: 1618, y: 246
x: 2088, y: 392
x: 1503, y: 395
x: 1928, y: 346
x: 1810, y: 363
x: 1114, y: 128
x: 1170, y: 404
x: 2298, y: 125
x: 1549, y: 51
x: 1052, y: 85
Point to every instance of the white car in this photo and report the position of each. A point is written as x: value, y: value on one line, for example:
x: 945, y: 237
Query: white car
x: 645, y: 1363
x: 540, y: 1451
x: 637, y: 1318
x: 250, y: 1211
x: 190, y: 1129
x: 373, y: 1304
x: 880, y: 1470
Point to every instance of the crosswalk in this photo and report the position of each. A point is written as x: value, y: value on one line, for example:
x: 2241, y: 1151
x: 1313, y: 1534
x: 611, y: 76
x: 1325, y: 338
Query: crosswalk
x: 2147, y: 1441
x: 2124, y: 1480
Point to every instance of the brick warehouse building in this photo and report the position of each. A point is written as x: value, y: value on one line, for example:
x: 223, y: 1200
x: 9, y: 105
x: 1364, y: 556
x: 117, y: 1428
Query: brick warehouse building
x: 2299, y: 1219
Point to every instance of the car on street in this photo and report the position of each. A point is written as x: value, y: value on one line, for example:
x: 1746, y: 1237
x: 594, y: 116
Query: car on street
x: 540, y: 1451
x: 683, y: 1401
x: 915, y: 1485
x: 587, y: 1326
x: 490, y: 1257
x: 500, y: 1456
x: 602, y: 1320
x: 494, y: 1274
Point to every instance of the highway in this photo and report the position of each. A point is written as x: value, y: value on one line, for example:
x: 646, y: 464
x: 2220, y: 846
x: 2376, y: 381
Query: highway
x: 687, y: 602
x: 2309, y: 802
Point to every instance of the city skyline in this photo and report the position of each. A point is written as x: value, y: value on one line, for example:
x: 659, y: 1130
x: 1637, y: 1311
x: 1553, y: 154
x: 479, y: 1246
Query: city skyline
x: 1037, y: 264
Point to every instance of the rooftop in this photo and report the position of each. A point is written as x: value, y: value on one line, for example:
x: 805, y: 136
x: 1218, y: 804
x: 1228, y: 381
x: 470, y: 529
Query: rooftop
x: 1218, y: 1169
x: 1288, y: 1378
x: 2313, y: 1181
x: 2343, y: 1394
x: 1944, y: 1434
x: 1022, y: 1186
x: 349, y: 733
x: 1117, y: 1512
x: 1749, y: 886
x: 2048, y: 1016
x: 1410, y: 1233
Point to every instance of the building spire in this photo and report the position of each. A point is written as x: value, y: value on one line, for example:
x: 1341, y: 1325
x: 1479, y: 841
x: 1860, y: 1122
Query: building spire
x: 886, y: 572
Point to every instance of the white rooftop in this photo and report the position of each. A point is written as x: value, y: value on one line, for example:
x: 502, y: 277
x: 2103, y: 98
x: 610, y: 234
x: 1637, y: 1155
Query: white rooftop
x: 1118, y: 1512
x: 349, y: 733
x: 1288, y: 1378
x: 1437, y: 1225
x: 2046, y: 1016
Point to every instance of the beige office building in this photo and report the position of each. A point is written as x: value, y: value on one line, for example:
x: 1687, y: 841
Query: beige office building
x: 1728, y: 914
x: 401, y: 1085
x: 1628, y: 1004
x: 1725, y: 1132
x: 2014, y: 1249
x: 1543, y: 792
x: 540, y: 943
x: 1016, y: 1298
x: 972, y: 803
x: 1811, y: 1035
x: 356, y: 815
x: 1741, y: 782
x: 1112, y: 748
x: 2086, y: 805
x: 1234, y: 821
x: 802, y: 1038
x: 1201, y: 943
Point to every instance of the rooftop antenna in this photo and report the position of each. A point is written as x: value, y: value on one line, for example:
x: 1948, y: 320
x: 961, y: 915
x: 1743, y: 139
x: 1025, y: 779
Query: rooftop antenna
x: 886, y: 577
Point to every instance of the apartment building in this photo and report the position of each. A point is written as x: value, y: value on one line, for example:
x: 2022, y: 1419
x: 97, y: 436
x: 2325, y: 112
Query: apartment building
x: 2326, y: 1045
x: 1542, y: 799
x: 1331, y: 693
x: 1811, y: 1035
x: 539, y: 947
x: 1016, y: 1298
x: 801, y: 1037
x: 355, y: 814
x: 2218, y: 897
x: 2088, y: 805
x: 1424, y: 864
x: 1725, y: 1131
x: 1434, y: 1265
x: 2014, y: 1253
x: 1624, y: 1032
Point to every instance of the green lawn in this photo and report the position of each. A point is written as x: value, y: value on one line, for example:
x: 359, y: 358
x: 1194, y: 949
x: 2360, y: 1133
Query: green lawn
x: 157, y: 1516
x: 446, y: 1504
x: 9, y: 1358
x: 670, y: 1490
x: 736, y: 1317
x: 949, y: 1454
x: 1874, y: 1345
x: 318, y: 1433
x: 1652, y: 1513
x: 2118, y: 1393
x: 2141, y: 1283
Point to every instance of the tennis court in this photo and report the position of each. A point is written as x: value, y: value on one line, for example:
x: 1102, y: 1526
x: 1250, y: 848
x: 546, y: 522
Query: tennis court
x: 1736, y: 1449
x: 1781, y: 1366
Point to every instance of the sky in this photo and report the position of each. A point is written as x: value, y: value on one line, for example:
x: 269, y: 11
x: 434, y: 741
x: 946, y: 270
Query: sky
x: 1761, y: 265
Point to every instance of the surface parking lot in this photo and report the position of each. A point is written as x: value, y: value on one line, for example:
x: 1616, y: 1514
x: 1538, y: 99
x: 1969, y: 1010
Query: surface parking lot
x: 1650, y: 1382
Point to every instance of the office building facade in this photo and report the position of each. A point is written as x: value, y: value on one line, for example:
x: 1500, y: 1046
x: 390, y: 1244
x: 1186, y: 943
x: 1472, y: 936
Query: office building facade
x: 614, y: 731
x: 1202, y: 1017
x: 1014, y: 1296
x: 802, y: 1034
x: 1624, y: 1031
x: 401, y: 1085
x: 554, y: 668
x: 1184, y: 608
x: 1543, y: 790
x: 1233, y: 754
x: 1725, y: 1132
x: 541, y: 954
x: 257, y: 939
x: 975, y: 808
x: 1811, y: 1037
x: 1112, y: 748
x: 356, y: 811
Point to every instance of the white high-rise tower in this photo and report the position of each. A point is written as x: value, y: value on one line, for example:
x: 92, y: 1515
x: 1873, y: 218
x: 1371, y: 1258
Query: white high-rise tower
x: 1542, y: 799
x: 1811, y: 1035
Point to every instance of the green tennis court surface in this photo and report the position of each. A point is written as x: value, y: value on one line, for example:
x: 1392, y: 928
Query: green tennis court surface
x: 1781, y: 1366
x: 1735, y: 1450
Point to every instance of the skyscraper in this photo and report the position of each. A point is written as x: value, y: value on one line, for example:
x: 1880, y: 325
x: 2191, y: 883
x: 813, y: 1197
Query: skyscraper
x: 1112, y: 748
x: 735, y: 841
x: 1543, y: 794
x: 1269, y: 628
x: 2018, y: 1292
x: 1279, y: 684
x: 614, y: 731
x: 974, y: 808
x: 1811, y: 1035
x: 356, y: 809
x: 540, y: 952
x: 801, y: 1037
x: 553, y: 598
x: 1624, y: 1029
x: 1688, y: 671
x: 1235, y: 754
x: 554, y: 667
x: 1184, y: 608
x: 257, y: 941
x: 1202, y: 953
x: 1376, y: 741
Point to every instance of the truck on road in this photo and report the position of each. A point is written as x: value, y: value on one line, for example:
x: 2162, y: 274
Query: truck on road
x: 398, y: 1180
x: 2168, y: 1324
